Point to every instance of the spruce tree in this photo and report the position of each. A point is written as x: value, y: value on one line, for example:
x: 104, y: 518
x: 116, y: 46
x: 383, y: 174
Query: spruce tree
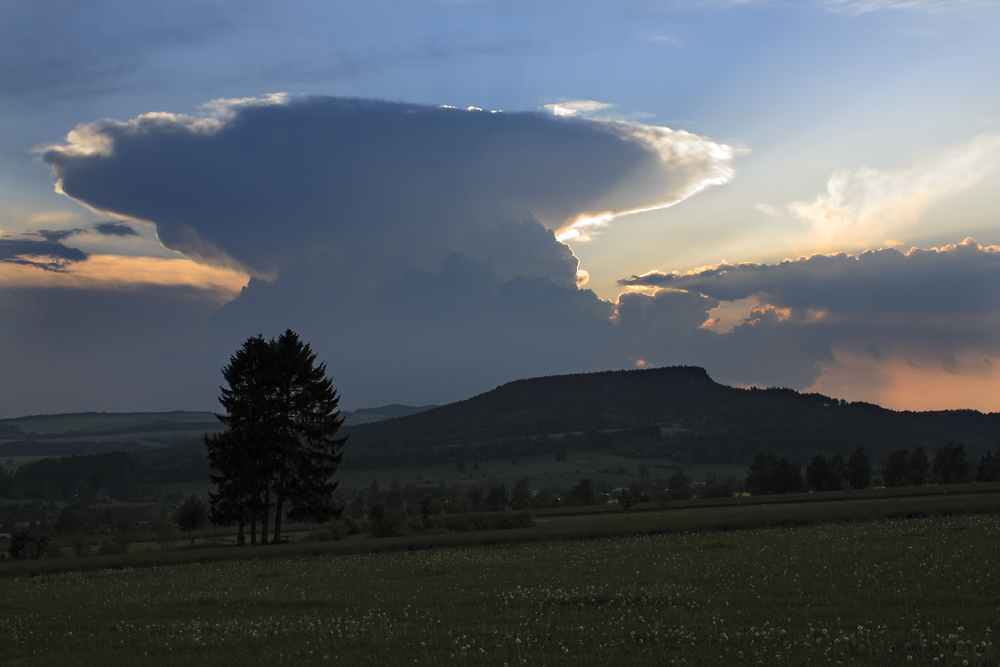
x: 282, y: 419
x: 859, y: 469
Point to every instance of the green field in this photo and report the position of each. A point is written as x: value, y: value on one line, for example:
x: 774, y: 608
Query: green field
x: 860, y: 585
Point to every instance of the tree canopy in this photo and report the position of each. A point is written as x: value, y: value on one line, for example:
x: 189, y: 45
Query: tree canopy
x: 280, y: 448
x: 770, y: 474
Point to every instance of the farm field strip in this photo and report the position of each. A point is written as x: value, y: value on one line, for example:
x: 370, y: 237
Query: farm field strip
x: 902, y: 591
x: 596, y: 521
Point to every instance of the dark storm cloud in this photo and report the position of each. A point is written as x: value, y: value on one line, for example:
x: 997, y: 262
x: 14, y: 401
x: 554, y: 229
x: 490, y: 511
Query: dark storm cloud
x: 924, y: 304
x: 451, y: 332
x: 47, y: 255
x: 264, y: 181
x: 418, y: 239
x: 414, y: 243
x: 955, y: 279
x: 71, y: 349
x: 413, y: 246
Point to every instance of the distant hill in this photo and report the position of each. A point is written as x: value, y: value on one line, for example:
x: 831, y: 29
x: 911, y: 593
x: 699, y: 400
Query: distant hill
x: 367, y: 415
x: 678, y: 413
x: 97, y: 432
x: 675, y: 412
x: 94, y: 432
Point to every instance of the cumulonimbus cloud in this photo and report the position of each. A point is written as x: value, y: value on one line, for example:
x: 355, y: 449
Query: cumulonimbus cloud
x: 415, y: 248
x: 256, y: 179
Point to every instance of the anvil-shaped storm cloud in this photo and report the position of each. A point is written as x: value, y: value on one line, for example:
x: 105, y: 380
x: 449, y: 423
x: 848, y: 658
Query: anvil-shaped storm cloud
x: 416, y: 248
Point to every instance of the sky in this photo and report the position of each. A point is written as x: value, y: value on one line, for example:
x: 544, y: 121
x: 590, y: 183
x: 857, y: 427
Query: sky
x: 441, y: 197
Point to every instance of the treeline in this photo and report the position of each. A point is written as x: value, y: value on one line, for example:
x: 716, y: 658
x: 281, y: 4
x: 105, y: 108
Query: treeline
x: 409, y: 500
x: 950, y: 465
x: 123, y: 476
x: 770, y: 474
x: 638, y: 442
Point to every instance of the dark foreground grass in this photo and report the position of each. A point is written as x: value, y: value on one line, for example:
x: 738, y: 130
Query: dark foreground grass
x: 885, y: 591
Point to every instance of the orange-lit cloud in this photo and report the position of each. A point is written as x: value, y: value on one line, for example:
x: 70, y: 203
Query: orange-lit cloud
x: 903, y: 385
x: 113, y: 272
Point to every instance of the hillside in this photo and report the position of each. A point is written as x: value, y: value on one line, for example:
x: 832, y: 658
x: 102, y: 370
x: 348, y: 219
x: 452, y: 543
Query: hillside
x: 676, y: 412
x: 97, y: 432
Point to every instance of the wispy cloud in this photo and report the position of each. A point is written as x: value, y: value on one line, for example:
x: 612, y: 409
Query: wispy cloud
x: 58, y: 235
x: 858, y: 7
x: 865, y: 206
x: 48, y: 255
x: 664, y: 39
x: 117, y: 273
x: 115, y: 229
x: 577, y: 107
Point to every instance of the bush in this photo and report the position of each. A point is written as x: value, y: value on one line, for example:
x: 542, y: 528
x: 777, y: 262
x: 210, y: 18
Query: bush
x: 716, y: 490
x: 333, y: 531
x: 29, y: 543
x: 108, y: 548
x: 384, y: 522
x: 353, y: 526
x: 79, y: 544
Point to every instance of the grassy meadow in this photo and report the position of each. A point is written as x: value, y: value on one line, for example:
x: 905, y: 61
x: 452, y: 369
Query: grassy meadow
x: 700, y: 587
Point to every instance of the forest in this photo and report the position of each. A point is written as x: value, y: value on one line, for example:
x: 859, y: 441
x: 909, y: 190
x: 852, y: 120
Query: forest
x: 678, y: 413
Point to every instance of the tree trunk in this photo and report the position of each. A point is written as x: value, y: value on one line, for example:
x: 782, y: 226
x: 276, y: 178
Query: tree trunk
x: 267, y: 512
x: 278, y: 507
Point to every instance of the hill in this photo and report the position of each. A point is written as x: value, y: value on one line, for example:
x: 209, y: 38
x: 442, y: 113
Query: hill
x: 97, y: 432
x: 676, y: 412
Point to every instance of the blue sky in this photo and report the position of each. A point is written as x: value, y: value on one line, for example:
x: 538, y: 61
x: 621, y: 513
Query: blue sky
x: 667, y: 183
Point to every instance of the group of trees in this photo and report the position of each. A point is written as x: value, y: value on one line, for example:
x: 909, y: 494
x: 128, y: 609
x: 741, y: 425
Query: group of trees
x: 769, y: 474
x: 280, y: 449
x: 902, y: 467
x: 950, y: 465
x: 906, y: 468
x: 834, y: 474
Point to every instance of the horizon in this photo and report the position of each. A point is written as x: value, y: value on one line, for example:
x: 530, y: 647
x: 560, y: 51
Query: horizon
x: 445, y: 197
x: 431, y: 406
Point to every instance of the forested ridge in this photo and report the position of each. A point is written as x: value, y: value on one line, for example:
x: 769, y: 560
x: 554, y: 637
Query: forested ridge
x: 678, y: 413
x: 675, y: 412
